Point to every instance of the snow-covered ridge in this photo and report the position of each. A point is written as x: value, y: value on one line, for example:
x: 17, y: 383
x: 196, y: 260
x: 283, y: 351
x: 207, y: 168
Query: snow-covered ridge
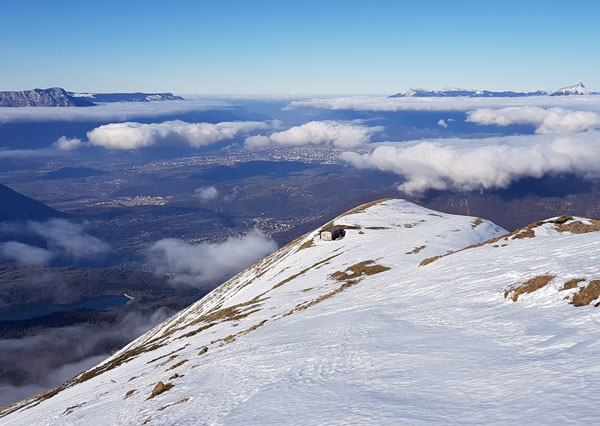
x: 577, y: 89
x: 356, y: 331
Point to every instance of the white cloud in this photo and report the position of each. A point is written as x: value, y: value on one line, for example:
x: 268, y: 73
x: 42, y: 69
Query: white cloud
x: 257, y: 141
x: 27, y: 153
x: 484, y: 163
x: 69, y: 239
x: 133, y: 135
x: 24, y: 254
x: 442, y: 123
x: 209, y: 263
x: 66, y: 144
x: 206, y: 193
x: 546, y: 121
x: 340, y: 134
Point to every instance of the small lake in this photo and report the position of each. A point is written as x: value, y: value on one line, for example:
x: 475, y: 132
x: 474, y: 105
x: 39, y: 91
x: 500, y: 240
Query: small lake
x: 34, y: 310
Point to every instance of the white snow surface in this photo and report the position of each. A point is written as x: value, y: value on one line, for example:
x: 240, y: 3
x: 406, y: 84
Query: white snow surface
x: 432, y: 344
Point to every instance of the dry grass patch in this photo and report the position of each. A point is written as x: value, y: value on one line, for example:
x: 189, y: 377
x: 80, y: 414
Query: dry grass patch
x: 431, y: 259
x: 477, y: 222
x: 528, y: 286
x: 69, y: 410
x: 232, y: 337
x: 587, y: 294
x: 176, y: 376
x: 174, y: 366
x: 171, y: 358
x: 160, y: 388
x: 129, y: 393
x: 415, y: 250
x: 181, y: 401
x: 367, y: 267
x: 319, y: 299
x: 517, y: 234
x: 196, y: 331
x: 571, y: 283
x: 304, y: 271
x: 579, y: 227
x: 308, y: 244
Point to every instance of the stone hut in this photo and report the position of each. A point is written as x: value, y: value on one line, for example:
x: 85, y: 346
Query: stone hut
x: 332, y: 233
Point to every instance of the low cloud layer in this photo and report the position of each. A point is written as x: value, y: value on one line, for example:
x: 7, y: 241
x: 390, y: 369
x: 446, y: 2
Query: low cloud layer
x: 24, y: 254
x: 62, y: 238
x: 206, y: 193
x: 107, y: 112
x: 40, y: 362
x: 483, y: 164
x: 546, y: 121
x: 378, y: 103
x: 340, y: 134
x: 27, y: 153
x: 206, y: 263
x: 133, y: 135
x: 67, y: 144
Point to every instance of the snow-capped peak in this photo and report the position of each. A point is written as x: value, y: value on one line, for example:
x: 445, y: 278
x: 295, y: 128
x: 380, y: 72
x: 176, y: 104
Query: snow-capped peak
x: 576, y: 89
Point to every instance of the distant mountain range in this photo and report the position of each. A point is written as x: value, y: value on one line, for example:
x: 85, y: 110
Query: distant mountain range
x: 126, y: 97
x: 58, y: 97
x: 576, y: 89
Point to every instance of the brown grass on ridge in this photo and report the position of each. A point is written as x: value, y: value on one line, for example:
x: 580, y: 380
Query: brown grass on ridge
x: 517, y: 234
x: 579, y: 227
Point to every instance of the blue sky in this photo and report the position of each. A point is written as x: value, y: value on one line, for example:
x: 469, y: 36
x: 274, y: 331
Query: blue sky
x: 304, y: 47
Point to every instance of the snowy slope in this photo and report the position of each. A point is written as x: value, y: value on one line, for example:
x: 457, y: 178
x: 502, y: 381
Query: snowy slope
x: 396, y: 323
